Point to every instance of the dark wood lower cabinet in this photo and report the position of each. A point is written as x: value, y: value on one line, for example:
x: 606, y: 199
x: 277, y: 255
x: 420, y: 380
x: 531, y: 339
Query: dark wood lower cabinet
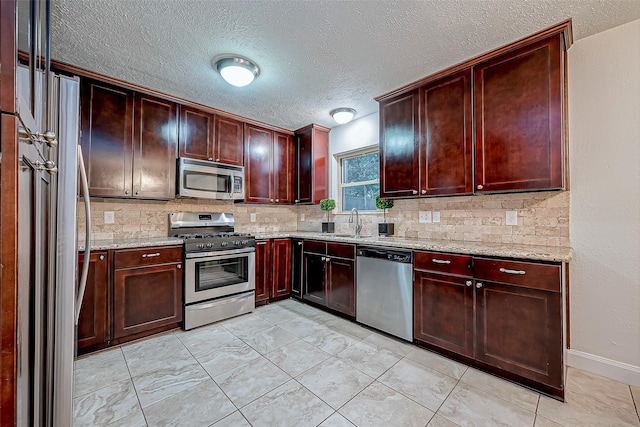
x: 296, y: 268
x: 263, y: 270
x: 341, y: 285
x: 281, y: 274
x: 314, y: 288
x: 93, y: 325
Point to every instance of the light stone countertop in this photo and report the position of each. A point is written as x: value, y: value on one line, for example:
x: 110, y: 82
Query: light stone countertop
x: 97, y: 245
x: 531, y: 252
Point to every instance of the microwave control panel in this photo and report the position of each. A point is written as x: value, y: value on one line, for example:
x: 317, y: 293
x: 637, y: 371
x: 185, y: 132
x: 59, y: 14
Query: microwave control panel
x: 237, y: 184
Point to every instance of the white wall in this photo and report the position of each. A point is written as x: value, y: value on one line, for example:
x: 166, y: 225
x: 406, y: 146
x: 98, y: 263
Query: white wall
x: 604, y: 132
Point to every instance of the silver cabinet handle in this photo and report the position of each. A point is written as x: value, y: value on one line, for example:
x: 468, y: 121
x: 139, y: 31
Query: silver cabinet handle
x: 327, y: 259
x: 296, y: 201
x: 424, y: 191
x: 271, y: 200
x: 506, y: 270
x: 101, y: 257
x: 211, y: 159
x: 126, y: 191
x: 478, y: 285
x: 479, y: 187
x: 277, y: 200
x: 468, y: 282
x: 261, y: 243
x: 414, y: 191
x: 299, y: 243
x: 137, y: 192
x: 150, y: 255
x: 441, y: 261
x: 217, y: 160
x: 179, y: 266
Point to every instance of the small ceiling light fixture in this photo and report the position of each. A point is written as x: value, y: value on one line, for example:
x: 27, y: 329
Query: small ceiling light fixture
x: 235, y: 69
x: 342, y: 115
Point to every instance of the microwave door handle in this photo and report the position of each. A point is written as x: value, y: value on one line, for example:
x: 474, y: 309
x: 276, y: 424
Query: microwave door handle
x: 231, y: 179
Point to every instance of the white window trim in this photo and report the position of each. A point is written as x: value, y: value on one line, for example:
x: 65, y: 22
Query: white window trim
x: 345, y: 155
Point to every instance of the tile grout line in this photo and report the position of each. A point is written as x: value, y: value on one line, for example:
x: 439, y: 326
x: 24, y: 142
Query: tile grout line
x: 135, y: 389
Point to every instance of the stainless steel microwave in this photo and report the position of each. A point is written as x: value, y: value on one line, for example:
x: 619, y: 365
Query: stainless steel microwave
x: 209, y: 180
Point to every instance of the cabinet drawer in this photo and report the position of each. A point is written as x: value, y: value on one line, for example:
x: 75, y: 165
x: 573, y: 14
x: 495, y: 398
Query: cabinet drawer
x: 341, y: 250
x: 444, y: 263
x: 315, y: 247
x: 528, y: 274
x: 125, y: 258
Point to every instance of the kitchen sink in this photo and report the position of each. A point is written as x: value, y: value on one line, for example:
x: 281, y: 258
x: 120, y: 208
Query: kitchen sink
x: 361, y: 236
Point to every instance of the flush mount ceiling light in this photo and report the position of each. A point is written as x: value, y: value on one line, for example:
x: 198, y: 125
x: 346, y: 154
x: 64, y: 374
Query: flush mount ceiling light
x: 236, y: 70
x: 342, y: 115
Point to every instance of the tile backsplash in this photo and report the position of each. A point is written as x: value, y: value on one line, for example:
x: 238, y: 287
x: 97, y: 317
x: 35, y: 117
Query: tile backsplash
x: 543, y: 218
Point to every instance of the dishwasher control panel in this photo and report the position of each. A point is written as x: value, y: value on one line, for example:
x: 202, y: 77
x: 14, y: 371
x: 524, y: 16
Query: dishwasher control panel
x: 399, y: 258
x: 386, y: 254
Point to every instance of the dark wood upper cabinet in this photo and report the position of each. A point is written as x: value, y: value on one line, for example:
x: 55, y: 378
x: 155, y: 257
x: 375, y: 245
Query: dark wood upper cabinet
x: 399, y: 141
x: 446, y: 155
x: 196, y: 134
x: 281, y: 277
x: 154, y: 148
x: 519, y: 118
x: 263, y: 269
x: 311, y: 164
x: 268, y: 166
x: 229, y: 141
x: 106, y: 139
x: 93, y: 324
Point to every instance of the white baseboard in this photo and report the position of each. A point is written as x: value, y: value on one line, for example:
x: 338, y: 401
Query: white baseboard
x: 618, y: 371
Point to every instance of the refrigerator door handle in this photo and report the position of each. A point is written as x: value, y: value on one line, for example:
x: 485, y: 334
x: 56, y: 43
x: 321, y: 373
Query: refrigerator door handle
x: 87, y: 234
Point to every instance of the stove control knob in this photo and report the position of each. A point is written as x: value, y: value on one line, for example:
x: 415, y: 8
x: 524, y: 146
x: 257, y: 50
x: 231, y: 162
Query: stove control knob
x: 224, y: 243
x: 245, y: 242
x: 236, y: 242
x: 200, y: 246
x: 209, y: 245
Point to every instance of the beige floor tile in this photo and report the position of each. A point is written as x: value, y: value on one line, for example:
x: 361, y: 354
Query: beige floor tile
x: 330, y: 341
x: 438, y: 363
x: 503, y: 389
x: 580, y: 410
x: 336, y: 420
x: 270, y: 339
x: 468, y: 406
x: 98, y: 356
x: 369, y: 358
x: 227, y: 356
x: 250, y: 381
x: 378, y: 405
x: 206, y: 340
x: 600, y: 388
x: 543, y: 422
x: 201, y: 405
x: 134, y: 420
x: 396, y: 346
x: 290, y: 405
x: 347, y: 327
x: 427, y: 387
x: 246, y: 325
x: 92, y: 373
x: 153, y: 386
x: 277, y: 315
x: 155, y: 353
x: 438, y: 421
x: 334, y: 381
x: 635, y: 392
x: 234, y: 420
x: 106, y: 405
x: 297, y: 357
x: 303, y: 327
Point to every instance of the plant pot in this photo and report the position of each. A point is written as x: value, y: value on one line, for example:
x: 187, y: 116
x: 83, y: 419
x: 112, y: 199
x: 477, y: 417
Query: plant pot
x: 328, y: 227
x: 385, y: 229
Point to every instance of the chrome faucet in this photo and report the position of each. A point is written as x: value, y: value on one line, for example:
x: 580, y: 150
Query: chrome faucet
x: 358, y: 226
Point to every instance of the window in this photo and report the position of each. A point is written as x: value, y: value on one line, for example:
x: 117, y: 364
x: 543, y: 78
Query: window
x: 358, y: 184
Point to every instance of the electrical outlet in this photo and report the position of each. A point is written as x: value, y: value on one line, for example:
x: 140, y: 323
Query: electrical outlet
x: 511, y: 218
x: 253, y: 217
x: 109, y: 217
x: 301, y: 217
x: 436, y: 216
x: 425, y: 216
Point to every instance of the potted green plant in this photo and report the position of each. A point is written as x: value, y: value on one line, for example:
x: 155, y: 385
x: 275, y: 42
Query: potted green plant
x: 384, y: 229
x: 328, y: 205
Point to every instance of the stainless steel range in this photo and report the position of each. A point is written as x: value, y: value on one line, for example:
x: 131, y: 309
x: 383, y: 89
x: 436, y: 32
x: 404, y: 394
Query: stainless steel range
x: 219, y: 275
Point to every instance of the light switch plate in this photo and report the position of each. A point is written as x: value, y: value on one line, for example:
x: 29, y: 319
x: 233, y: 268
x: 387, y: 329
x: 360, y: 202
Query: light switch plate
x: 511, y: 218
x: 109, y: 217
x: 425, y: 216
x: 301, y: 217
x: 436, y: 216
x: 253, y: 217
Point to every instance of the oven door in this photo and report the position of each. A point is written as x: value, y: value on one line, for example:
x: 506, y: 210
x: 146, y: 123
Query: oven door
x: 218, y: 274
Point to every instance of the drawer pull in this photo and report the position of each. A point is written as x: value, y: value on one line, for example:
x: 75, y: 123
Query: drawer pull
x: 478, y: 285
x: 150, y: 255
x: 179, y: 266
x: 261, y: 243
x: 101, y: 257
x: 506, y: 270
x: 468, y: 283
x: 299, y: 243
x: 441, y: 261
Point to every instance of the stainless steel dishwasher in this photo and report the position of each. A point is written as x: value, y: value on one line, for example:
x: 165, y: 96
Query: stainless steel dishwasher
x: 384, y: 298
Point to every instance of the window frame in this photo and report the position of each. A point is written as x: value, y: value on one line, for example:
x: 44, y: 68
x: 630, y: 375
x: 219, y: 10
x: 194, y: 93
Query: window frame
x: 339, y: 157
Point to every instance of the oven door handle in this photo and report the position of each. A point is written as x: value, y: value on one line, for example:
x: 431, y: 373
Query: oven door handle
x: 220, y: 254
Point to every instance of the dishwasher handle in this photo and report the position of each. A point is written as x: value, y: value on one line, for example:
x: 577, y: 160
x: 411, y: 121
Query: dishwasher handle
x: 385, y: 254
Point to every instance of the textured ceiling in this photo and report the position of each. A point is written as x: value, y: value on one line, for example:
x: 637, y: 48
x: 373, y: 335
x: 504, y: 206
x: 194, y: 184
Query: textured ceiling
x: 314, y: 55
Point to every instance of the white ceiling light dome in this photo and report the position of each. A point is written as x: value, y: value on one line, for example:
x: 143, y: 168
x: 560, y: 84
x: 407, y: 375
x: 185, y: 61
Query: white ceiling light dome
x: 343, y: 115
x: 235, y: 69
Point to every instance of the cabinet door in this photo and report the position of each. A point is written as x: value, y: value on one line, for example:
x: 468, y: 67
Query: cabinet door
x: 341, y: 279
x: 154, y: 148
x: 257, y: 164
x: 311, y: 165
x: 196, y: 134
x: 281, y: 278
x: 106, y: 139
x: 314, y: 280
x: 399, y: 137
x: 304, y: 152
x: 146, y: 298
x: 296, y: 268
x: 518, y: 118
x: 443, y: 311
x: 229, y: 141
x: 93, y: 324
x: 263, y: 269
x: 520, y: 330
x: 445, y: 150
x: 282, y: 168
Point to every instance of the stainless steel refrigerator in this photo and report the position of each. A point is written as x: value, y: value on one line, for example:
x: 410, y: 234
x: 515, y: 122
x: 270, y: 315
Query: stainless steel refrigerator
x: 48, y: 288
